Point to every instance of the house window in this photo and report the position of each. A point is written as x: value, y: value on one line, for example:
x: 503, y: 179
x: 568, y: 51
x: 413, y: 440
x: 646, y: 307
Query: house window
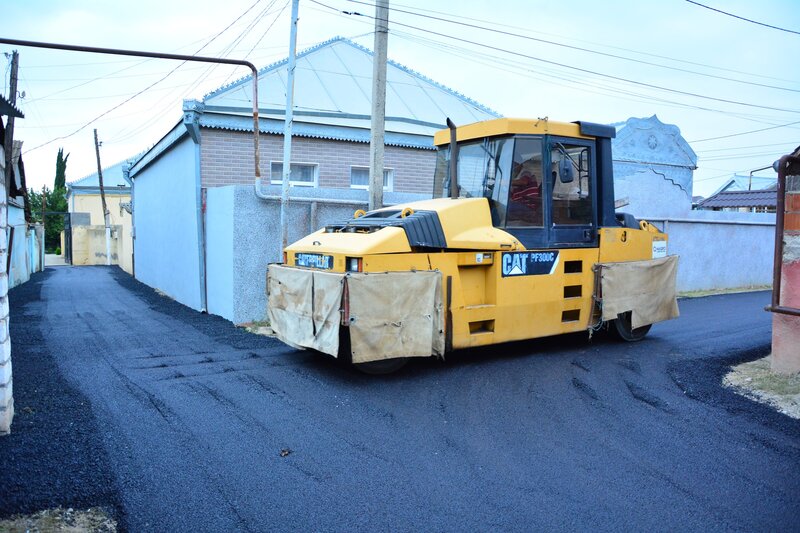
x: 359, y: 178
x: 301, y: 173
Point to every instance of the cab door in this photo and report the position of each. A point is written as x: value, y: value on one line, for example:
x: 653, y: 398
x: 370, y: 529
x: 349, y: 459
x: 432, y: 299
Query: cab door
x: 571, y: 193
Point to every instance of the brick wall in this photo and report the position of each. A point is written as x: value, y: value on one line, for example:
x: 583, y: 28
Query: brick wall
x: 227, y: 159
x: 786, y: 328
x: 6, y: 398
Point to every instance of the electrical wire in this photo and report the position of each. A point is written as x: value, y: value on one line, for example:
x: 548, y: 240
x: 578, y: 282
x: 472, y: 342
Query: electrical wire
x: 572, y: 67
x: 587, y: 50
x: 746, y: 132
x: 594, y: 43
x: 128, y: 133
x: 98, y: 117
x: 743, y: 18
x: 745, y: 147
x: 519, y: 68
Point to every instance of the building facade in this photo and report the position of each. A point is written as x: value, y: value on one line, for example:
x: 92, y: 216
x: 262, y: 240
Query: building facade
x: 652, y: 160
x: 87, y: 239
x: 203, y: 232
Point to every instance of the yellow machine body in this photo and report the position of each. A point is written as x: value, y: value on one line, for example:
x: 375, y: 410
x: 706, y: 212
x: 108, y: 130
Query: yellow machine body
x: 500, y: 282
x: 487, y: 308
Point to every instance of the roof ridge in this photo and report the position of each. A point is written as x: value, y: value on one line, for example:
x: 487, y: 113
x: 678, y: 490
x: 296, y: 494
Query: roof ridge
x: 272, y: 66
x: 345, y: 40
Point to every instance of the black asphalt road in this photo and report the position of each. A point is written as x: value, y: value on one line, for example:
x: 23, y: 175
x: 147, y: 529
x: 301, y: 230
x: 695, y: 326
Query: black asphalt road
x: 196, y: 425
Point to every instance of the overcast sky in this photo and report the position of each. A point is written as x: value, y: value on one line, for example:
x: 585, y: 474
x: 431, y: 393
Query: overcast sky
x: 710, y: 74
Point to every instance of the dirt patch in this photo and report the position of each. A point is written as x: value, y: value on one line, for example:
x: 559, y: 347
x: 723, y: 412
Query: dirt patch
x: 94, y: 520
x: 714, y: 292
x: 755, y: 380
x: 261, y: 327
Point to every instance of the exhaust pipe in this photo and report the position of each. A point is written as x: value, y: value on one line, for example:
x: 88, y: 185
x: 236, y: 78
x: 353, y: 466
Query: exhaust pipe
x: 453, y: 160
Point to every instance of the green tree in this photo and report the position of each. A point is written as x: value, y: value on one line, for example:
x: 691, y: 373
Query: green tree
x: 61, y: 170
x: 54, y: 219
x: 56, y: 204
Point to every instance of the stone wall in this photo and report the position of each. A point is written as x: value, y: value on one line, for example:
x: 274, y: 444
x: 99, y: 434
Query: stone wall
x: 6, y: 397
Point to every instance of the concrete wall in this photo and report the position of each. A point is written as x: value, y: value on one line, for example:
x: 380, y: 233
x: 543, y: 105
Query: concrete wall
x: 89, y: 245
x: 227, y: 159
x: 721, y: 250
x: 25, y: 246
x: 650, y: 191
x: 167, y: 246
x: 219, y: 224
x: 93, y: 205
x: 6, y: 392
x: 243, y: 236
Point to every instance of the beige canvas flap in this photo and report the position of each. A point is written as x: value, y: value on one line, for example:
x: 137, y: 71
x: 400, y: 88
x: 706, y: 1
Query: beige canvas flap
x: 395, y: 314
x: 647, y: 288
x: 304, y: 307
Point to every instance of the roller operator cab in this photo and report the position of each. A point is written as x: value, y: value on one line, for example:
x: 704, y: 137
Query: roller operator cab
x: 520, y: 241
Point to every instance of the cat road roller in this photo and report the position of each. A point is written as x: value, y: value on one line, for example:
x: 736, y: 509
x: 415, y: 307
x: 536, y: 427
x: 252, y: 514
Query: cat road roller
x: 520, y: 241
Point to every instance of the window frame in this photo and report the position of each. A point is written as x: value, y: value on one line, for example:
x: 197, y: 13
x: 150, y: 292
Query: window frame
x: 294, y: 183
x: 389, y: 187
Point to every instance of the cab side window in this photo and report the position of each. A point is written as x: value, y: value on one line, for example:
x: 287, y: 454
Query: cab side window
x: 525, y: 190
x: 570, y: 176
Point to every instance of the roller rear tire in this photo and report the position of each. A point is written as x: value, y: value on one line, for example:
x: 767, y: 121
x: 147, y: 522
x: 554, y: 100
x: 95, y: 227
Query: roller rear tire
x: 621, y: 327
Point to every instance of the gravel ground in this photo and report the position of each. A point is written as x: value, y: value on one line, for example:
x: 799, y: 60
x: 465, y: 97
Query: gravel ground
x: 54, y: 455
x: 207, y: 427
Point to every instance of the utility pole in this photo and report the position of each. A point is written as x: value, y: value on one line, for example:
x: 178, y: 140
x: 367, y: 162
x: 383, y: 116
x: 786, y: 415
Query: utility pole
x: 9, y: 141
x: 103, y: 199
x: 44, y: 202
x: 287, y: 129
x: 376, y: 142
x: 44, y: 221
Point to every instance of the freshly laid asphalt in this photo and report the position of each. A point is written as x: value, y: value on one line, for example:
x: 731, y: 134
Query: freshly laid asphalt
x: 176, y: 420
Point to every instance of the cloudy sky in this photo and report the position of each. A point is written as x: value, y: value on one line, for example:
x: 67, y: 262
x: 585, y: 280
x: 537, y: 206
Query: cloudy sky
x: 730, y: 85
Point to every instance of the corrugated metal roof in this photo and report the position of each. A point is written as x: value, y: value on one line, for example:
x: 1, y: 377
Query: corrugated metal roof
x: 764, y: 198
x: 341, y: 132
x: 334, y: 80
x: 112, y: 177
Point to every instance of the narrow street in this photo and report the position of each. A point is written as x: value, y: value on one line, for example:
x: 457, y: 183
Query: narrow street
x: 184, y: 422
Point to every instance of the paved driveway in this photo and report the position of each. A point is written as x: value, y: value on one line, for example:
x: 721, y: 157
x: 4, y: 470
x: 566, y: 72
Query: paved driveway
x: 201, y: 426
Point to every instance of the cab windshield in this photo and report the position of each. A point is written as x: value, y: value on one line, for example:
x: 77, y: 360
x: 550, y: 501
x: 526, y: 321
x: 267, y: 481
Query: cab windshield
x: 506, y: 172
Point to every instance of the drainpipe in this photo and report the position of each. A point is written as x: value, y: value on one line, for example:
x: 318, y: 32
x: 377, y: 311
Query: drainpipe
x: 126, y: 174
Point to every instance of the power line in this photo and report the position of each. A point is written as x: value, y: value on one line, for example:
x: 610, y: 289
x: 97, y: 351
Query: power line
x: 587, y: 50
x: 572, y: 67
x: 205, y: 76
x: 605, y: 45
x: 573, y: 82
x: 745, y: 147
x: 745, y: 132
x: 743, y: 18
x: 101, y: 115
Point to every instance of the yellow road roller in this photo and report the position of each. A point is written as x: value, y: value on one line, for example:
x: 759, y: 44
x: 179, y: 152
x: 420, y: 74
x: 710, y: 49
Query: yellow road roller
x: 520, y: 240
